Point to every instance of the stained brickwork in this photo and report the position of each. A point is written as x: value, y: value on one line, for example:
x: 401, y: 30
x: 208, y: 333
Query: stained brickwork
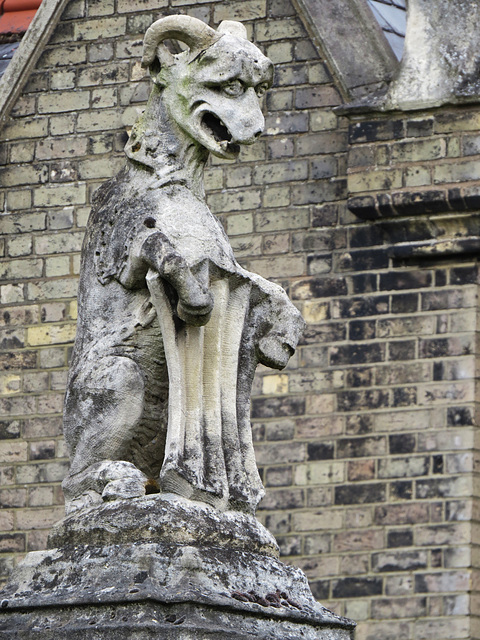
x: 366, y: 442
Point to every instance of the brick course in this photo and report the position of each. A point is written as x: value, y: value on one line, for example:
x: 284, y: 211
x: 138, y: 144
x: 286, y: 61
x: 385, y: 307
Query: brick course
x: 366, y: 441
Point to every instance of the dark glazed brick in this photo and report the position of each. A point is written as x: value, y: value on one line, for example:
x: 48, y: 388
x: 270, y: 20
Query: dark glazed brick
x: 415, y: 229
x: 366, y: 399
x: 405, y: 303
x: 325, y: 216
x: 360, y: 494
x: 421, y: 584
x: 404, y: 443
x: 22, y: 360
x: 439, y: 371
x: 276, y: 407
x: 365, y: 306
x: 357, y: 587
x: 366, y: 236
x: 361, y: 447
x: 42, y: 451
x: 405, y: 280
x: 401, y: 490
x: 435, y: 488
x: 420, y: 202
x: 437, y: 558
x: 368, y: 259
x: 357, y: 354
x: 464, y: 275
x: 401, y: 350
x: 363, y: 283
x: 399, y: 561
x: 319, y: 288
x: 373, y: 131
x: 459, y: 416
x: 328, y: 332
x: 437, y: 464
x: 419, y: 128
x: 319, y: 451
x: 11, y: 343
x: 12, y: 542
x: 359, y: 378
x: 289, y: 545
x: 400, y: 538
x: 320, y: 589
x: 10, y: 429
x: 362, y: 330
x: 440, y: 347
x: 404, y: 397
x: 360, y: 424
x: 440, y: 278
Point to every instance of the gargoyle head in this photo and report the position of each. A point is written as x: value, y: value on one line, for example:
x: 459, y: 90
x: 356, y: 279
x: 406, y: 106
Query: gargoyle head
x: 211, y: 90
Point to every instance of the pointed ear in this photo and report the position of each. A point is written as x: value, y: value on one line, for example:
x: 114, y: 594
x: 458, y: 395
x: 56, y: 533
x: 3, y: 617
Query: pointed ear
x: 233, y: 28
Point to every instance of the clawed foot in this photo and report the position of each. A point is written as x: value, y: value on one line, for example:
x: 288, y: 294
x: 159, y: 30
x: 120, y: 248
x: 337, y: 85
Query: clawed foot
x: 273, y: 351
x: 104, y: 481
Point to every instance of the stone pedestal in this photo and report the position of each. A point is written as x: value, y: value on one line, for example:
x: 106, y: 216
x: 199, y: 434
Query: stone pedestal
x: 162, y: 567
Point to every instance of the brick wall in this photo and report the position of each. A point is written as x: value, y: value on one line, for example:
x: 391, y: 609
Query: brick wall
x: 366, y: 441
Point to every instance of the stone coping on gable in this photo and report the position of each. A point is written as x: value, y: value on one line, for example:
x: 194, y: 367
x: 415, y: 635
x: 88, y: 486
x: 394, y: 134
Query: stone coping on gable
x: 28, y: 52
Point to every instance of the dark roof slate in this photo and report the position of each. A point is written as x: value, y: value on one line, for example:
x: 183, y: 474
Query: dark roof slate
x: 392, y: 17
x: 6, y: 54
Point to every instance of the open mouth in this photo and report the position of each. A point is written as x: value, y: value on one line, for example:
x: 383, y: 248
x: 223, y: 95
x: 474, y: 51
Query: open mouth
x: 219, y: 132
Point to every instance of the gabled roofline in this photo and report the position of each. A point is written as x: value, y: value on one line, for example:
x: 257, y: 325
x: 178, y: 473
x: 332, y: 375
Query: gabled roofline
x: 27, y: 54
x: 353, y: 42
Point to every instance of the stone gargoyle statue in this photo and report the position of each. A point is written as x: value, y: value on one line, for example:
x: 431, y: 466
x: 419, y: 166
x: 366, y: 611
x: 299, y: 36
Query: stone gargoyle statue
x: 171, y: 328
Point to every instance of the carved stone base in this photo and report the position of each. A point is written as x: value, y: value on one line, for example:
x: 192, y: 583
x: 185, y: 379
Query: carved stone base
x: 163, y: 518
x: 156, y: 590
x: 168, y: 583
x: 156, y: 621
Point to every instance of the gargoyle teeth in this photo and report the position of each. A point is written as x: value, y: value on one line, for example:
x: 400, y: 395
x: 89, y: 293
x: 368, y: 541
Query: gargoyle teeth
x: 216, y: 127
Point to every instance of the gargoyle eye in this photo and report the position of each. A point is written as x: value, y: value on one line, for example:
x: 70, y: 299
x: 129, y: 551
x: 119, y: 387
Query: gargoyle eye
x: 234, y: 88
x: 261, y: 89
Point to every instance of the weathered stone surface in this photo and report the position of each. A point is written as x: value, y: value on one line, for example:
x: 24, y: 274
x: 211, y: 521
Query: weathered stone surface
x: 440, y: 61
x: 239, y: 593
x: 156, y: 621
x: 170, y: 327
x: 163, y: 518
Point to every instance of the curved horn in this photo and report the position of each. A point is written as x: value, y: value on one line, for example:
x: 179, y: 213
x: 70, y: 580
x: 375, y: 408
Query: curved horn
x: 193, y: 32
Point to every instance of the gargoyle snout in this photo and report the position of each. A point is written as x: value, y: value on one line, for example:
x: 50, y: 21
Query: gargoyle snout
x: 247, y: 123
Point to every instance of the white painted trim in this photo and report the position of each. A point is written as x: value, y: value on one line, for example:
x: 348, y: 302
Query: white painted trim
x: 27, y: 54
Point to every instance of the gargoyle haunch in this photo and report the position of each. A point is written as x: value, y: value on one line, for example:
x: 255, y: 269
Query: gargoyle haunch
x: 171, y: 327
